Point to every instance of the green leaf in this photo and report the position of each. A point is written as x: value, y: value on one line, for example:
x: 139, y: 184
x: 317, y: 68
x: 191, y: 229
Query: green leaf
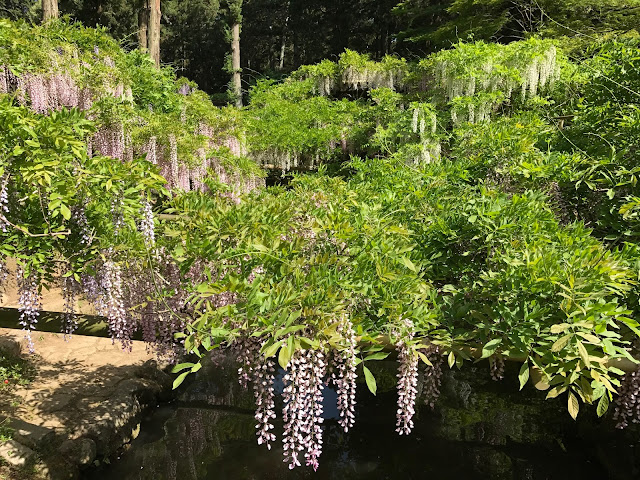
x: 559, y: 328
x: 523, y: 376
x: 271, y: 350
x: 370, y: 379
x: 590, y: 338
x: 409, y: 264
x: 260, y: 247
x: 424, y: 358
x: 555, y: 391
x: 178, y: 381
x: 583, y: 354
x: 377, y: 356
x: 64, y: 210
x: 181, y: 366
x: 451, y: 359
x: 308, y: 344
x: 286, y: 352
x: 603, y: 405
x: 561, y: 343
x: 490, y: 347
x: 573, y: 405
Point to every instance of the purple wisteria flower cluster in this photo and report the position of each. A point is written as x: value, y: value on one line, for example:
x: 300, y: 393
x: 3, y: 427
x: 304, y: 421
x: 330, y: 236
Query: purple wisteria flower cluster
x: 432, y: 377
x: 147, y: 226
x: 303, y: 408
x: 627, y: 404
x: 264, y: 375
x: 496, y: 368
x: 407, y: 381
x: 4, y: 275
x: 116, y: 214
x: 79, y: 216
x: 173, y: 160
x: 4, y: 202
x: 29, y: 305
x: 111, y: 142
x: 115, y: 311
x: 247, y: 353
x: 344, y: 375
x: 70, y: 291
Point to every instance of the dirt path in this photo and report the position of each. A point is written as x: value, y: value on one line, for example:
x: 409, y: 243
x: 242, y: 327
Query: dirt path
x: 86, y: 399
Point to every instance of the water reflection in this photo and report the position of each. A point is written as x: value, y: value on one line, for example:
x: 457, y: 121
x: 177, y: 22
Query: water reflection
x: 479, y: 430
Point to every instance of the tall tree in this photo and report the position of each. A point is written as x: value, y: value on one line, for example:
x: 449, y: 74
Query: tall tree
x: 143, y: 25
x: 235, y: 21
x: 155, y: 16
x: 49, y: 10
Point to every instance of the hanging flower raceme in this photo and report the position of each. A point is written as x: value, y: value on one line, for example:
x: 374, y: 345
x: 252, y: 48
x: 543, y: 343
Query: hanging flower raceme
x: 116, y: 214
x: 407, y: 381
x: 4, y: 202
x: 496, y: 368
x: 344, y: 375
x: 432, y: 378
x: 93, y: 293
x: 627, y: 404
x: 303, y: 410
x: 247, y: 353
x: 265, y: 406
x: 4, y: 275
x: 79, y: 216
x: 173, y: 159
x: 29, y: 304
x: 119, y: 326
x: 70, y: 290
x: 147, y: 227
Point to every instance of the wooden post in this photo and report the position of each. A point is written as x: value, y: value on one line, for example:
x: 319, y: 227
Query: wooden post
x: 154, y: 31
x: 49, y: 10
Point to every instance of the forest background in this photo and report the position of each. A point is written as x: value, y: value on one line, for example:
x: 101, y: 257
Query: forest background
x: 279, y: 36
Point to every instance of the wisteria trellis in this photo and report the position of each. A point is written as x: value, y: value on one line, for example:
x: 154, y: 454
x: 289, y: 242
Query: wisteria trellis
x: 116, y: 285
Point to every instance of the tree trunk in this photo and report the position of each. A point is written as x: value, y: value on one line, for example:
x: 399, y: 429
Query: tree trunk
x: 143, y: 26
x: 283, y: 44
x: 154, y: 31
x: 235, y: 64
x: 49, y: 10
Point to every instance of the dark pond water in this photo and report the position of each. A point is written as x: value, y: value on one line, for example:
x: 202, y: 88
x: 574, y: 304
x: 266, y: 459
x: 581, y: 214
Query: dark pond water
x: 479, y: 430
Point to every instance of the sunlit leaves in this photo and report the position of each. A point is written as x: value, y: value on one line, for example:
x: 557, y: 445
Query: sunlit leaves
x: 573, y: 405
x: 370, y: 380
x: 523, y: 375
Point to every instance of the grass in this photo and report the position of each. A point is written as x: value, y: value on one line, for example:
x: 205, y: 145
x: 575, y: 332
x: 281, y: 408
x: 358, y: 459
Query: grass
x: 14, y: 371
x: 6, y: 432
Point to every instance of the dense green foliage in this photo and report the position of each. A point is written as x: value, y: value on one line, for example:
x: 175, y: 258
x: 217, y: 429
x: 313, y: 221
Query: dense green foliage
x: 514, y: 242
x: 483, y: 199
x: 440, y: 23
x: 50, y: 151
x: 45, y: 158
